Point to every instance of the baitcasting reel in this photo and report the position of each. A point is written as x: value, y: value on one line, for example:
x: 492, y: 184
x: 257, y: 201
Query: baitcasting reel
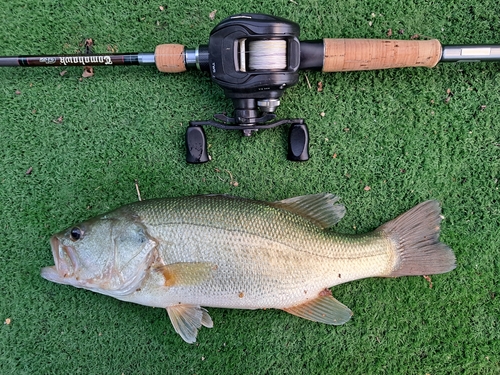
x: 253, y: 58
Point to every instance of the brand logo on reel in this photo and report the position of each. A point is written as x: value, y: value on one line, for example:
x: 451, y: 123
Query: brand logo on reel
x: 106, y: 60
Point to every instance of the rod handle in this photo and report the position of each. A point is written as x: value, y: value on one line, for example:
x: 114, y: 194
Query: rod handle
x: 342, y: 55
x: 169, y: 58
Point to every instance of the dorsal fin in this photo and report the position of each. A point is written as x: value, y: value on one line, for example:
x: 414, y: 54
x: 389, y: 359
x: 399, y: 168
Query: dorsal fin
x: 322, y: 209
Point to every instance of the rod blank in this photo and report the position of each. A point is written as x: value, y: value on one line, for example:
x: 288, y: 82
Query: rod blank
x: 73, y: 60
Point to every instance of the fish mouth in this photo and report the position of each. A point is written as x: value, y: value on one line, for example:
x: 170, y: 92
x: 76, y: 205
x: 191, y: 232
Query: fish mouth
x: 65, y: 260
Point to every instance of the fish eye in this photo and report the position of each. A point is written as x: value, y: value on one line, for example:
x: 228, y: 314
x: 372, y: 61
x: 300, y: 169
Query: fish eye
x: 75, y: 234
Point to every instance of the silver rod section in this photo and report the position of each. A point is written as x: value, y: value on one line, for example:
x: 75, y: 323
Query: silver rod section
x: 146, y: 58
x: 471, y: 53
x: 192, y: 58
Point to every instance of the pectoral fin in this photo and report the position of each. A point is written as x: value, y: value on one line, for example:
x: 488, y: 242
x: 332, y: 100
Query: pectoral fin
x: 186, y: 273
x: 323, y: 309
x: 187, y: 319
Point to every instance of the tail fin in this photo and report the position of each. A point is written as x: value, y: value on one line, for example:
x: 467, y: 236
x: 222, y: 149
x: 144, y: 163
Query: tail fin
x: 416, y: 238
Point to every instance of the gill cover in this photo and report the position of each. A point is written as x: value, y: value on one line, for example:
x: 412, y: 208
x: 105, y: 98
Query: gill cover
x: 111, y: 255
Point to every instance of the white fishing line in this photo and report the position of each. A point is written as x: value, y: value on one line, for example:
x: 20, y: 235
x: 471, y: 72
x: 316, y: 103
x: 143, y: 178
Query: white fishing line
x: 242, y: 60
x: 267, y: 54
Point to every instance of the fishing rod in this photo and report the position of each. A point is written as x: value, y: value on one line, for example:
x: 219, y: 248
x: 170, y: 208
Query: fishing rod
x: 255, y: 57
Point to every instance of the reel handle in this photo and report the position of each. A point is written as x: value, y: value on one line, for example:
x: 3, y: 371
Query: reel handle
x: 343, y: 55
x: 196, y: 141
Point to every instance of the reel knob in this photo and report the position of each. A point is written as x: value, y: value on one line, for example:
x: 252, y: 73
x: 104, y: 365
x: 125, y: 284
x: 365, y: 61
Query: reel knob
x: 298, y: 142
x: 268, y: 105
x: 196, y: 145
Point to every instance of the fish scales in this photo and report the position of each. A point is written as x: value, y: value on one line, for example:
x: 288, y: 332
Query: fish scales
x: 222, y: 251
x: 261, y: 252
x: 238, y: 216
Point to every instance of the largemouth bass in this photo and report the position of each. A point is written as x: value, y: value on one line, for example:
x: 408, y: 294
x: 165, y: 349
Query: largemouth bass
x: 222, y: 251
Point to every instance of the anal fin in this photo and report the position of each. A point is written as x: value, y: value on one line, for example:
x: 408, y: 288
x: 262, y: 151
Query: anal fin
x: 187, y: 319
x: 323, y: 309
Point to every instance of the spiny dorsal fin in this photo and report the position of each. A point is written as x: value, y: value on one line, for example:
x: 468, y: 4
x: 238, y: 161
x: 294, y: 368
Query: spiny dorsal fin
x: 323, y: 309
x: 322, y: 209
x: 187, y: 319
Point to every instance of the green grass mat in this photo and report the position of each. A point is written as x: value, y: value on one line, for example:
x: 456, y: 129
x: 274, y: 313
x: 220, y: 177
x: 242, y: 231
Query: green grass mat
x: 85, y: 142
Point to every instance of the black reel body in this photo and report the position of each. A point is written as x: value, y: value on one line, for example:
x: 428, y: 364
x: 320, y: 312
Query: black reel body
x: 253, y: 57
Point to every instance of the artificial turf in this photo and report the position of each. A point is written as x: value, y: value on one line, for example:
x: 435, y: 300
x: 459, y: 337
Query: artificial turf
x: 384, y: 141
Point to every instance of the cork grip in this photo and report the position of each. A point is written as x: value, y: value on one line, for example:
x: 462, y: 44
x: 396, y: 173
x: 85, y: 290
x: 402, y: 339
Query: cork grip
x: 169, y: 58
x: 342, y: 55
